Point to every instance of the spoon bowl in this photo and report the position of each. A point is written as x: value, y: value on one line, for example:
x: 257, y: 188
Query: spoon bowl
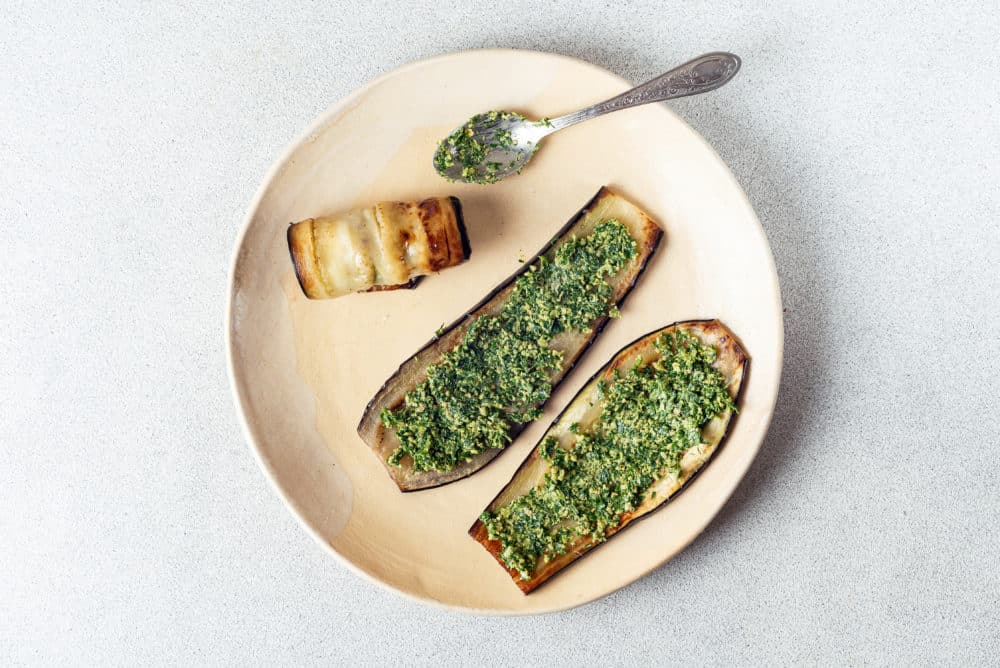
x: 489, y: 147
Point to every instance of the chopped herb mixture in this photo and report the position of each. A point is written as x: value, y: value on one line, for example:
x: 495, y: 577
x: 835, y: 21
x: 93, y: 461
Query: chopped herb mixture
x: 500, y: 373
x: 471, y: 144
x: 652, y: 415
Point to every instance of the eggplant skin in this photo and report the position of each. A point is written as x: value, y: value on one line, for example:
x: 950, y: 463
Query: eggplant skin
x: 411, y: 372
x: 409, y: 285
x: 732, y: 361
x: 463, y: 234
x: 388, y: 246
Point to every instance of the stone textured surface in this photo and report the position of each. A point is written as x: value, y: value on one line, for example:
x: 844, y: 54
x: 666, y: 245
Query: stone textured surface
x: 134, y: 522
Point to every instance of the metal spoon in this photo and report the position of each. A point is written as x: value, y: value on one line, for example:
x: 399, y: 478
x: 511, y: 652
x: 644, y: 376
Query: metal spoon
x: 492, y: 146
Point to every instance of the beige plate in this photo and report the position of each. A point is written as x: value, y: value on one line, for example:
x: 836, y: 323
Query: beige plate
x: 302, y: 371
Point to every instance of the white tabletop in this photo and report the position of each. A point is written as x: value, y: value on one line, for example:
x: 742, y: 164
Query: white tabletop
x: 135, y: 524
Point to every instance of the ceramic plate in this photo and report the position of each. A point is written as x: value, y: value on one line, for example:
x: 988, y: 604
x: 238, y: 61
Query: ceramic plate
x: 302, y: 371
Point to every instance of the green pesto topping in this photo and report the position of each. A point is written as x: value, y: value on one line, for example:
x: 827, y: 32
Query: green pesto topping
x: 471, y: 144
x: 500, y: 374
x: 464, y: 145
x: 651, y: 416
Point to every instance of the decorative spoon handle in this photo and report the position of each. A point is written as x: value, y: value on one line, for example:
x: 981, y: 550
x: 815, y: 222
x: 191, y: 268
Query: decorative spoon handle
x: 701, y: 75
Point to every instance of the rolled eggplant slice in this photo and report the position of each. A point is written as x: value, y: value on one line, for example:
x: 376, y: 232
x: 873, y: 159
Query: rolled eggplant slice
x: 383, y: 247
x: 583, y: 416
x: 605, y: 205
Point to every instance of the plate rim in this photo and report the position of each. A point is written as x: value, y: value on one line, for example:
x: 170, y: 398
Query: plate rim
x: 237, y: 393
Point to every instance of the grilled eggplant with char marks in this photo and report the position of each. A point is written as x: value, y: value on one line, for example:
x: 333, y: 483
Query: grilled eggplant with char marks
x: 384, y: 247
x: 632, y: 439
x: 455, y: 404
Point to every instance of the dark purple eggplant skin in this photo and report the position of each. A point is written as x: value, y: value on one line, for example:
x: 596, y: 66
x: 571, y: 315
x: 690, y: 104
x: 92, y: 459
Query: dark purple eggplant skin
x: 373, y: 408
x: 478, y: 530
x: 460, y: 222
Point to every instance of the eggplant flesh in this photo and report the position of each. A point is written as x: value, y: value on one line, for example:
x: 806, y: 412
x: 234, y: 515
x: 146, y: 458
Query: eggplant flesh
x: 732, y: 362
x: 605, y: 205
x: 388, y: 246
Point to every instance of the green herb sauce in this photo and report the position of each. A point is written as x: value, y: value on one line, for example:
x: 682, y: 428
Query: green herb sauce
x: 651, y: 416
x: 500, y: 373
x: 466, y: 147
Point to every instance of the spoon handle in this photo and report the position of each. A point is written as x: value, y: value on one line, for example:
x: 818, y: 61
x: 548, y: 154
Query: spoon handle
x: 701, y: 75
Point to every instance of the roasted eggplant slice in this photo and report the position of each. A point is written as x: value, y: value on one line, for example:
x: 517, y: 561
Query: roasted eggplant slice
x: 603, y: 207
x: 596, y: 469
x: 383, y: 247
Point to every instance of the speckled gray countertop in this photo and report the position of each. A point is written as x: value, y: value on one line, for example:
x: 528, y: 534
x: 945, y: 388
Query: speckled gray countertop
x: 135, y: 524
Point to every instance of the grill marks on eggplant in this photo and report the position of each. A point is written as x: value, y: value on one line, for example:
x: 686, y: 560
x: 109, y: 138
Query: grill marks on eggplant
x: 731, y: 362
x: 387, y: 246
x: 603, y: 206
